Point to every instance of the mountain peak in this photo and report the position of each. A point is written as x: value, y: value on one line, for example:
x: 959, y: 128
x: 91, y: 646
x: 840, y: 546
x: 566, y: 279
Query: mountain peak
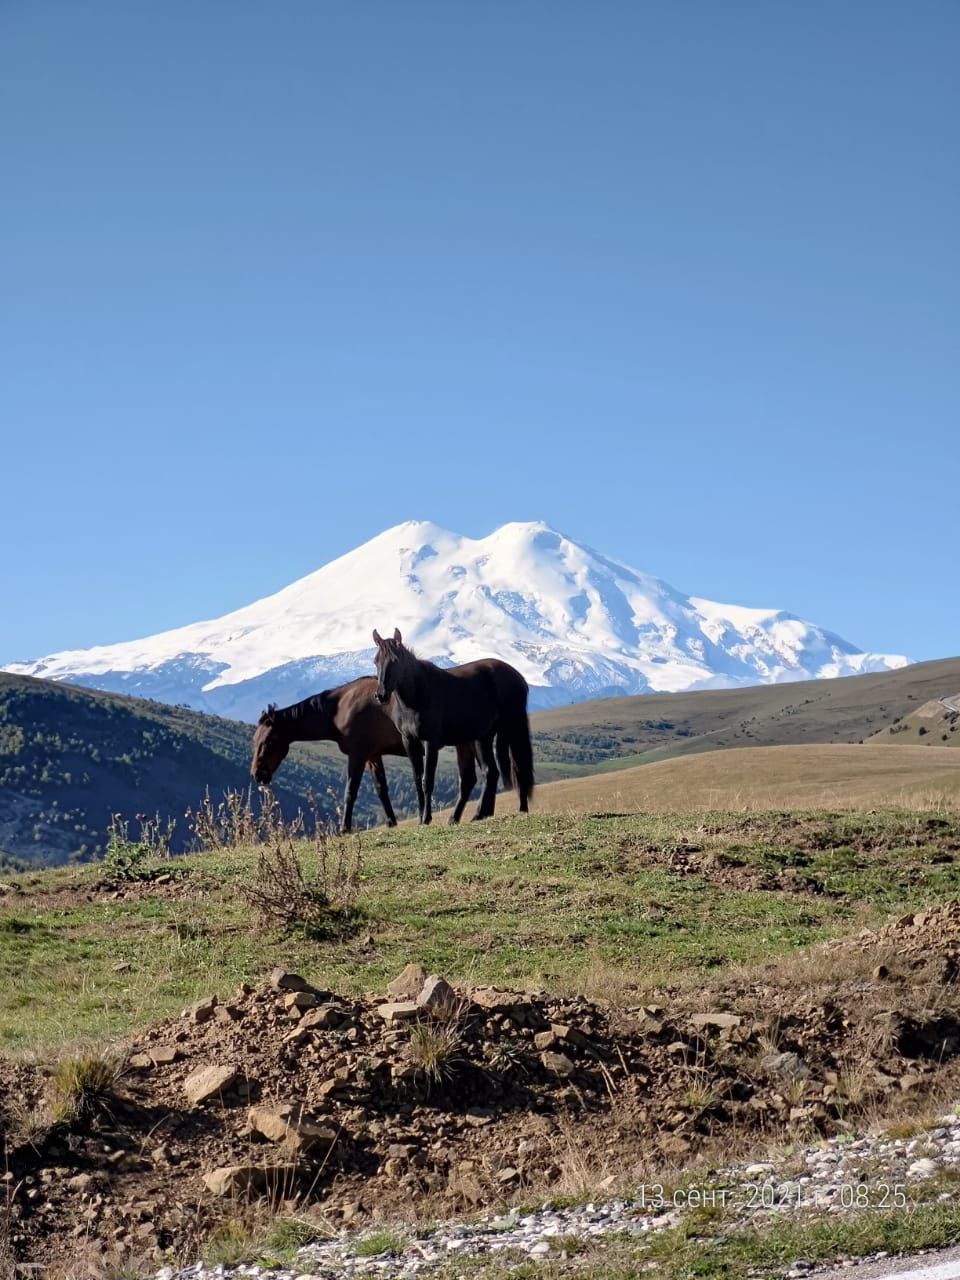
x: 575, y: 623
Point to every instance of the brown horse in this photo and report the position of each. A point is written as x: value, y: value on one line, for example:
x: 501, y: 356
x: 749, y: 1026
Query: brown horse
x: 352, y: 717
x: 435, y: 707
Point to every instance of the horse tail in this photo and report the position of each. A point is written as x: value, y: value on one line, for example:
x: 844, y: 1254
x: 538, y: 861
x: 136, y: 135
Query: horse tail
x: 521, y: 750
x: 503, y: 760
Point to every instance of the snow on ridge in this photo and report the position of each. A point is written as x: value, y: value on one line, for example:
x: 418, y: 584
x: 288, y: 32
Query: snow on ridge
x: 576, y: 623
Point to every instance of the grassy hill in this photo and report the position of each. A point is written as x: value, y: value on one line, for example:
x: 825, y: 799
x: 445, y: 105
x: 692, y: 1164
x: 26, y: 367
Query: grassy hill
x: 71, y: 757
x: 613, y: 732
x: 813, y: 777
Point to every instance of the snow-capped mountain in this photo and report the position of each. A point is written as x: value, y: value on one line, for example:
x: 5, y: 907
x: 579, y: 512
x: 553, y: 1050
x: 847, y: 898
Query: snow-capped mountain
x: 577, y: 624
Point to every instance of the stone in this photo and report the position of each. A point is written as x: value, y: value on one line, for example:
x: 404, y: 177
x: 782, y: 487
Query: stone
x: 544, y: 1040
x: 140, y: 1062
x: 164, y: 1054
x: 202, y: 1011
x: 436, y: 994
x: 299, y: 1000
x: 569, y: 1035
x: 717, y: 1021
x: 232, y: 1180
x: 408, y: 983
x: 208, y: 1082
x: 557, y: 1063
x: 398, y: 1011
x: 281, y: 980
x: 508, y: 1175
x: 496, y: 1001
x: 80, y: 1182
x: 286, y: 1126
x: 787, y: 1066
x: 325, y: 1018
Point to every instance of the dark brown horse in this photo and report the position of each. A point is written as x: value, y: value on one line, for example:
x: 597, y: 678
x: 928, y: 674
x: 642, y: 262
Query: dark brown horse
x: 477, y: 702
x: 352, y: 717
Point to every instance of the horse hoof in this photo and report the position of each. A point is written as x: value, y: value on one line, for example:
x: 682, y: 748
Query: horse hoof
x: 391, y: 822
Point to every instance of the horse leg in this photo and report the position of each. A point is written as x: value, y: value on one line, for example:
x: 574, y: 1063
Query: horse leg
x: 429, y: 773
x: 414, y: 749
x: 489, y: 797
x: 354, y: 778
x: 380, y: 781
x: 467, y: 761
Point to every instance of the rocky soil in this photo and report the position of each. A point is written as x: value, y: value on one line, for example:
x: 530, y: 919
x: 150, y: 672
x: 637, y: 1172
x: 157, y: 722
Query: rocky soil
x: 434, y: 1101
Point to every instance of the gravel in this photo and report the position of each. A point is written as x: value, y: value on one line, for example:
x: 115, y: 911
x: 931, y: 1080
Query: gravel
x: 838, y: 1175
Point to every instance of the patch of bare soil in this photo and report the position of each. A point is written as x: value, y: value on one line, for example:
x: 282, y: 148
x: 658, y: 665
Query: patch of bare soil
x: 360, y: 1108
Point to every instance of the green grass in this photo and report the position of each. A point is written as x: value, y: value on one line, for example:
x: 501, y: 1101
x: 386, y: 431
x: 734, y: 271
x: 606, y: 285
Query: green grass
x: 569, y: 903
x: 708, y: 1246
x: 380, y: 1242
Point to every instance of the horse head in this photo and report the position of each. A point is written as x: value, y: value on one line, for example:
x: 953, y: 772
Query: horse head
x: 270, y: 746
x: 389, y: 658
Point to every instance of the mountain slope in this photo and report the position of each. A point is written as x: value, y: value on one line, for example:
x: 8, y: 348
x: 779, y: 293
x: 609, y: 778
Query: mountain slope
x: 69, y: 758
x: 610, y: 732
x: 578, y: 625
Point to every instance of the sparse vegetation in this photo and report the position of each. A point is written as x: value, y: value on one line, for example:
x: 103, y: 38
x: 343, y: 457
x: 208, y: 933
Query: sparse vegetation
x: 378, y: 1243
x: 84, y: 1085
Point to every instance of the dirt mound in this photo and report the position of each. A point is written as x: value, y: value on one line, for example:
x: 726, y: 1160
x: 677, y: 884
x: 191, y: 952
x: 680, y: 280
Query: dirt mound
x: 362, y: 1107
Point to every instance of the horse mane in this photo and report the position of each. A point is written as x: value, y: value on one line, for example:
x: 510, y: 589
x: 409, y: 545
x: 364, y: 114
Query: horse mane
x: 275, y: 717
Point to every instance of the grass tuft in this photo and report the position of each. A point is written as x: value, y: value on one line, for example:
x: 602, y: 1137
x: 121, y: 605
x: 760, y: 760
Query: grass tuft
x: 85, y: 1086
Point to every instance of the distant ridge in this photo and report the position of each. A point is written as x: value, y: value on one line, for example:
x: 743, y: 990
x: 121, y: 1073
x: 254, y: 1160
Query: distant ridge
x: 577, y: 624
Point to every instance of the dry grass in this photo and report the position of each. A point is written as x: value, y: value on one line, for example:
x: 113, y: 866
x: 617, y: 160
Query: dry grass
x: 747, y: 779
x: 84, y: 1085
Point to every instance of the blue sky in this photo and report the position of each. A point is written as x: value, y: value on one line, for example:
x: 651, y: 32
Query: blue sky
x: 680, y: 279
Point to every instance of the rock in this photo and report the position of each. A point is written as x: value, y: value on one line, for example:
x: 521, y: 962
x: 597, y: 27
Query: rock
x: 496, y: 1001
x: 202, y: 1011
x: 399, y: 1011
x: 238, y: 1179
x: 286, y: 1126
x: 296, y: 1002
x: 208, y: 1082
x: 407, y: 984
x: 281, y: 980
x: 325, y: 1018
x: 909, y: 1082
x: 569, y: 1035
x: 557, y: 1063
x: 164, y: 1054
x: 509, y: 1175
x: 436, y: 995
x: 544, y: 1040
x: 786, y: 1066
x: 80, y: 1182
x: 140, y: 1062
x: 718, y: 1021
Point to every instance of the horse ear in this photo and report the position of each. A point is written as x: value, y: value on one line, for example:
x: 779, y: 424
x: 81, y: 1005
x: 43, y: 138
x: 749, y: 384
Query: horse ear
x: 266, y: 717
x: 377, y: 638
x: 397, y: 637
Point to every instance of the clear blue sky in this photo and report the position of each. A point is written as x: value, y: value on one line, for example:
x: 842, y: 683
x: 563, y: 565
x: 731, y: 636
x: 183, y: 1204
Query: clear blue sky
x: 679, y: 278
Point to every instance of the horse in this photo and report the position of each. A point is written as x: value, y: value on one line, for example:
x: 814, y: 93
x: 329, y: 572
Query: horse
x: 433, y: 707
x: 351, y: 716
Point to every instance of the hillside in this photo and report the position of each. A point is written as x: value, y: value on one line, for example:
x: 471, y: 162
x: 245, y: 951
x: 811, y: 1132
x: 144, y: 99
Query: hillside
x: 813, y: 776
x: 661, y: 725
x: 69, y: 758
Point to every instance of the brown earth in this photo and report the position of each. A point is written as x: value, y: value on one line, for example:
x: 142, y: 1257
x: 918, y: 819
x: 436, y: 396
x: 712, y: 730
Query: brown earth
x: 356, y: 1109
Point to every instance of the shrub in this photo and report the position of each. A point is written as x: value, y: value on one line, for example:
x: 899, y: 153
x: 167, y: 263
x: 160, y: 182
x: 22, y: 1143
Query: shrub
x: 322, y: 902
